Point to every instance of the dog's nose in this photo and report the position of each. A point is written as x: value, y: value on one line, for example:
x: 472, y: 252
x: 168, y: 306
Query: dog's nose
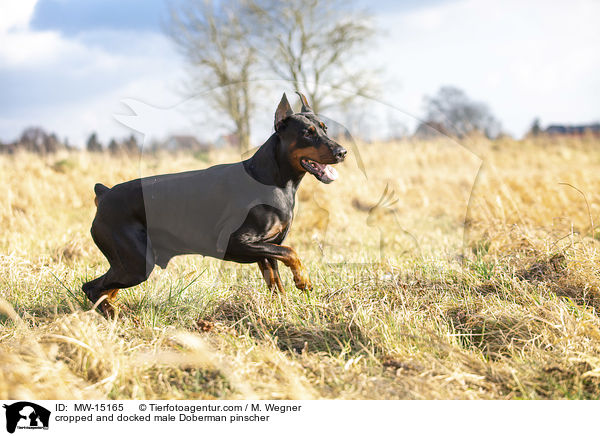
x: 340, y: 153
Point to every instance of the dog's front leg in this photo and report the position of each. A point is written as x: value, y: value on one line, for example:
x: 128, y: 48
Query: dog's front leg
x: 269, y: 271
x: 275, y: 269
x: 272, y: 252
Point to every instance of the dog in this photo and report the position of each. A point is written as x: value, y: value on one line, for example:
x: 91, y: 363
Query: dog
x: 240, y: 212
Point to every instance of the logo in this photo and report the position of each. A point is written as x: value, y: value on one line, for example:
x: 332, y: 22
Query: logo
x: 26, y: 415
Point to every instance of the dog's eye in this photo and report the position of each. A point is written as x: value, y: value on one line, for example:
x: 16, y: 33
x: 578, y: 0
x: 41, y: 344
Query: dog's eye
x: 308, y: 133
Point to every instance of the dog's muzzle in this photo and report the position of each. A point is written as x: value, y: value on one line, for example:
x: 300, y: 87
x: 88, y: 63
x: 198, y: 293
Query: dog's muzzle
x: 339, y: 153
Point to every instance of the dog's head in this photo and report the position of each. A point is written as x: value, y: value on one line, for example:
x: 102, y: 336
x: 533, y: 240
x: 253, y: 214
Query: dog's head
x: 305, y: 139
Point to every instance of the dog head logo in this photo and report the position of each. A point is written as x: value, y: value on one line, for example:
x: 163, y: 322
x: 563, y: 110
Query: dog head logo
x: 26, y: 415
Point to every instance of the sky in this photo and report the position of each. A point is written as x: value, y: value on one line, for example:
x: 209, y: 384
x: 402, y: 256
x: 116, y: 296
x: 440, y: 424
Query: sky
x: 67, y: 65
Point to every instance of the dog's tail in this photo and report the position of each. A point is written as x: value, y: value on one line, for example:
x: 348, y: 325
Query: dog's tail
x: 100, y: 190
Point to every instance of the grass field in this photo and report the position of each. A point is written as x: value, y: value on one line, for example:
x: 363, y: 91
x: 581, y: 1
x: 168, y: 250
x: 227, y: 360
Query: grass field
x: 457, y: 290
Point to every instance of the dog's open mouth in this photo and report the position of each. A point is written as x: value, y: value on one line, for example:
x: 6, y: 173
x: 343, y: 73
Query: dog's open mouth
x: 323, y: 172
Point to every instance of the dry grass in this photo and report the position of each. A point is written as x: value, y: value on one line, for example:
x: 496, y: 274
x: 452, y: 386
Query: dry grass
x: 405, y: 305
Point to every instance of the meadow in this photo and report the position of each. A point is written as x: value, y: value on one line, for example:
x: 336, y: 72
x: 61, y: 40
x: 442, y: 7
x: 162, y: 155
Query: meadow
x: 441, y: 270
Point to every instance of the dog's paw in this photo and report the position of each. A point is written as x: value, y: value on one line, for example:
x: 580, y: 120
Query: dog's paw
x: 109, y: 310
x: 301, y: 280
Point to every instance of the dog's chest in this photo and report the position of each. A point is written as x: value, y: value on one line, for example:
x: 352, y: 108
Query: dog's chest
x: 275, y: 222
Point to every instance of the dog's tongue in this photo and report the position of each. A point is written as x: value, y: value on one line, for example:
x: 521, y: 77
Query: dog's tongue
x: 329, y: 173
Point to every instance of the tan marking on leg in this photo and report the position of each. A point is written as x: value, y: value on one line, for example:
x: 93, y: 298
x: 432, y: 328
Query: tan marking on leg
x: 267, y: 273
x: 109, y: 306
x: 279, y: 284
x: 274, y: 231
x: 301, y: 280
x: 273, y: 264
x: 112, y: 295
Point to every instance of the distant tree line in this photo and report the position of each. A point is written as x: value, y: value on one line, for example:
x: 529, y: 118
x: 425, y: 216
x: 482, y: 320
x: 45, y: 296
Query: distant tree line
x: 37, y: 140
x: 128, y: 145
x: 449, y: 113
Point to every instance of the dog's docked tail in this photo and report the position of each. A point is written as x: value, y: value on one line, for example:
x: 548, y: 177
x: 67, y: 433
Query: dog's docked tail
x: 100, y: 190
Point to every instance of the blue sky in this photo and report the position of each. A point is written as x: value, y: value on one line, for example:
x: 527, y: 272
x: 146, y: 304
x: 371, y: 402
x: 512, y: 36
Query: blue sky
x: 67, y: 64
x: 72, y: 17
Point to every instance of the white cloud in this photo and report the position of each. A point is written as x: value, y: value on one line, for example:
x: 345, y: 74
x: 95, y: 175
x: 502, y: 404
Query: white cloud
x: 73, y: 85
x: 15, y: 14
x: 18, y: 44
x: 26, y: 48
x: 525, y: 59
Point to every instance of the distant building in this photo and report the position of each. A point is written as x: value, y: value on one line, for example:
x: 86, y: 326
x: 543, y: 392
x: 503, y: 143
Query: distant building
x: 559, y: 129
x: 185, y: 142
x: 229, y: 140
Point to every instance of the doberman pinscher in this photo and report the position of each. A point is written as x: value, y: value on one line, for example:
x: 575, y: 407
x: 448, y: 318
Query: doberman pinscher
x: 239, y: 212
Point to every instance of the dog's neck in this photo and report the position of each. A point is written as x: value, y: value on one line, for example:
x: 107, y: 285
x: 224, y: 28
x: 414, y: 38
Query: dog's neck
x: 270, y: 165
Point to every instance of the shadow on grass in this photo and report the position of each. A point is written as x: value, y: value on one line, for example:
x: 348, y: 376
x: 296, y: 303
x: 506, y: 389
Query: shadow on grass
x: 291, y: 332
x: 553, y: 272
x: 44, y: 311
x: 495, y: 337
x: 179, y: 382
x: 154, y: 312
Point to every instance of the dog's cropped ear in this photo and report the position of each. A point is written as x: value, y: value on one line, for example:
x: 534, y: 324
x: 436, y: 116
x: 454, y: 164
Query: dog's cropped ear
x: 283, y: 111
x: 305, y: 106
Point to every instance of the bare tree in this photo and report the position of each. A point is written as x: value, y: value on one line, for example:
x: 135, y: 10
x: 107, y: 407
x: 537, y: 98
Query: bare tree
x: 213, y: 36
x: 314, y: 43
x: 37, y: 140
x: 452, y: 112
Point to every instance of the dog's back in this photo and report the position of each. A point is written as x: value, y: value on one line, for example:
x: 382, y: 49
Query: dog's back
x: 189, y: 212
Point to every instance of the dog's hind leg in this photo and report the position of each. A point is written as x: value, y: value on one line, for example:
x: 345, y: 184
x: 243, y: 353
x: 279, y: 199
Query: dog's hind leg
x: 109, y: 285
x: 97, y: 288
x: 131, y: 261
x: 109, y: 305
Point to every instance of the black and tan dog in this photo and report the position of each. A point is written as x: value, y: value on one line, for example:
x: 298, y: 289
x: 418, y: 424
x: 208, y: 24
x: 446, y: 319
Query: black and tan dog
x: 240, y: 212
